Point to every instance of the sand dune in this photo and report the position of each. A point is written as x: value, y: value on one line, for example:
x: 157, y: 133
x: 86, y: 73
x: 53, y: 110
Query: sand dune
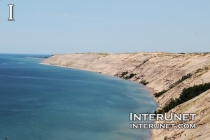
x: 160, y: 71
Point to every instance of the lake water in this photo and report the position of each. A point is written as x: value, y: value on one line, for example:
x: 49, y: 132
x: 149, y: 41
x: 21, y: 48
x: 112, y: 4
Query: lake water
x: 39, y: 102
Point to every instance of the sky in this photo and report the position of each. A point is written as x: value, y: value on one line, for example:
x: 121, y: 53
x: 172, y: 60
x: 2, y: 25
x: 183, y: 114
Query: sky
x: 114, y: 26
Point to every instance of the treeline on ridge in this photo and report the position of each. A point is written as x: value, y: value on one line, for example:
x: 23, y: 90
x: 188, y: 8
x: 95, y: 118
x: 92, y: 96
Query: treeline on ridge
x: 187, y: 94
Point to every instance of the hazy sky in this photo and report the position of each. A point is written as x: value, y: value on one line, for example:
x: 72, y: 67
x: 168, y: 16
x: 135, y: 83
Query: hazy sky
x: 67, y: 26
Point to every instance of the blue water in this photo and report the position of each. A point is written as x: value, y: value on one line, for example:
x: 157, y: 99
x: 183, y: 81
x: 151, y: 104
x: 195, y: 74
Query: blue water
x: 39, y: 102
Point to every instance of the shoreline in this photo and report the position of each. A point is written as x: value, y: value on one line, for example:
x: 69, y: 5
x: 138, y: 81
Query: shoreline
x: 150, y: 90
x: 165, y: 73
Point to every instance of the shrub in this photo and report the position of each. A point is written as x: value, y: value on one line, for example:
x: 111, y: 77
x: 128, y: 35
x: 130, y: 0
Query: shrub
x: 158, y: 94
x: 144, y: 82
x: 124, y: 73
x: 165, y: 138
x: 130, y: 76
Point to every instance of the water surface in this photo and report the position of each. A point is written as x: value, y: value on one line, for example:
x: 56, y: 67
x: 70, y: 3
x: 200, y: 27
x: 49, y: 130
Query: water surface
x: 41, y: 102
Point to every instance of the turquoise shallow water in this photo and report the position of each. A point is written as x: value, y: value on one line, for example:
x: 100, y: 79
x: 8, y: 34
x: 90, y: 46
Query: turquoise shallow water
x: 41, y: 102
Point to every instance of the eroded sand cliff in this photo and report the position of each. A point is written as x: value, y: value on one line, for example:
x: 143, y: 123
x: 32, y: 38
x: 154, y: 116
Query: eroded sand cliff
x: 158, y: 71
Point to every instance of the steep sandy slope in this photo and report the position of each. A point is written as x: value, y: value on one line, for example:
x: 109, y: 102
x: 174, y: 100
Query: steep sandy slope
x: 199, y: 105
x: 162, y: 71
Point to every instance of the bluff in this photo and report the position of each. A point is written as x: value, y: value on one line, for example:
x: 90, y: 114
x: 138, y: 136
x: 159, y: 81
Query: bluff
x: 166, y: 74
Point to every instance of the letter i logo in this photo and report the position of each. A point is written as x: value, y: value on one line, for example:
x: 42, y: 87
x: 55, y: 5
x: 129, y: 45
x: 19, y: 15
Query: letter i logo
x: 11, y: 14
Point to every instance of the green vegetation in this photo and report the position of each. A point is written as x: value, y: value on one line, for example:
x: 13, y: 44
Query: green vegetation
x: 205, y: 69
x: 142, y: 63
x: 180, y: 80
x: 145, y: 61
x: 124, y: 73
x: 201, y: 71
x: 158, y: 94
x: 127, y: 77
x: 198, y: 70
x: 165, y: 138
x: 144, y: 82
x: 186, y: 95
x: 130, y: 76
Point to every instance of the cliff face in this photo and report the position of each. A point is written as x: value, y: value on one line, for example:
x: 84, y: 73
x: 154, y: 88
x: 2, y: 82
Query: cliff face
x: 158, y: 71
